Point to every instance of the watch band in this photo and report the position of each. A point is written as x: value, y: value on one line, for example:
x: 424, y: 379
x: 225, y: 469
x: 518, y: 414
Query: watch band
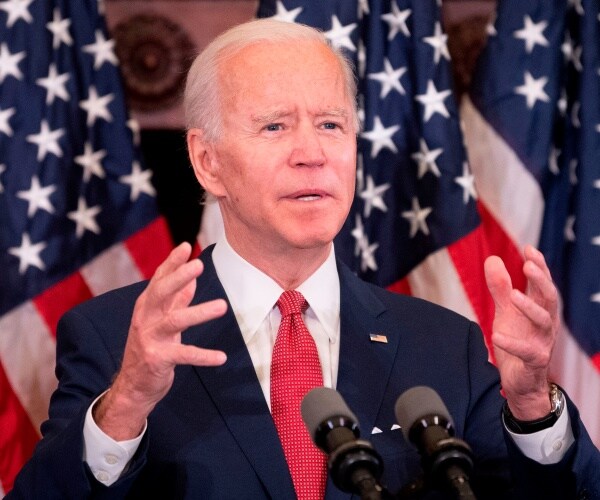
x: 517, y: 426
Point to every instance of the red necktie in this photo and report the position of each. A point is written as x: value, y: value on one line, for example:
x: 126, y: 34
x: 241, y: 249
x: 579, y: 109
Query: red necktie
x: 295, y: 370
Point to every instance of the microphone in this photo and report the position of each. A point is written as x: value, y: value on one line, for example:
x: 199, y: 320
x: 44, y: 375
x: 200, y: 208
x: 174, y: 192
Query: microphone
x: 353, y: 463
x: 427, y: 424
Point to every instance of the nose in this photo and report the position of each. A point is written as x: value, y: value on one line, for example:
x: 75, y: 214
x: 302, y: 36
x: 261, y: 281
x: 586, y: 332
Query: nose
x: 307, y: 148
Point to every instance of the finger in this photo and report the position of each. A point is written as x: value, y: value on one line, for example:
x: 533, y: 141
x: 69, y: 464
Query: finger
x: 185, y: 354
x: 541, y: 287
x: 534, y: 312
x: 178, y: 256
x: 534, y: 255
x: 178, y: 320
x: 164, y: 289
x: 498, y: 281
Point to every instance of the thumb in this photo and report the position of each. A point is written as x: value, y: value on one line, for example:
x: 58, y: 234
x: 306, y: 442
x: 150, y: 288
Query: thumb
x: 498, y: 281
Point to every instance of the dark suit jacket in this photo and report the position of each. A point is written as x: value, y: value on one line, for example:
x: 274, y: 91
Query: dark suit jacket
x: 212, y: 436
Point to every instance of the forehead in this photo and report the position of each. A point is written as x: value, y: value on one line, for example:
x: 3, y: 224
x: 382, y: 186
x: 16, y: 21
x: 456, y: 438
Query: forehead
x: 283, y: 71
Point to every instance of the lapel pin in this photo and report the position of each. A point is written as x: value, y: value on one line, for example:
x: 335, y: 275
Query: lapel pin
x: 375, y: 337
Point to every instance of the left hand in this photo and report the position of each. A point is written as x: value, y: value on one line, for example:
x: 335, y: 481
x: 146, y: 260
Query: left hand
x: 524, y: 333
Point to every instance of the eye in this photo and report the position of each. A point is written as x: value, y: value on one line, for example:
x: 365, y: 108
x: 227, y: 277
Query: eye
x: 330, y: 126
x: 273, y: 127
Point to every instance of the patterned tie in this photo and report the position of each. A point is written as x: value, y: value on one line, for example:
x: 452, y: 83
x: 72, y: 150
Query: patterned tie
x: 295, y: 370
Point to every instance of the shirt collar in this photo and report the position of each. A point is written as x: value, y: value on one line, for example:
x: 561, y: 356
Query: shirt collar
x: 252, y: 294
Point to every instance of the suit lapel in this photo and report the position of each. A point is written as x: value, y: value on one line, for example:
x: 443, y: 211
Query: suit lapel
x: 236, y: 392
x: 364, y: 366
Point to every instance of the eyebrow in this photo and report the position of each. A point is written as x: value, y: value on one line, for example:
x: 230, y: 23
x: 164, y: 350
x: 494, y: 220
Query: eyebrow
x: 278, y: 115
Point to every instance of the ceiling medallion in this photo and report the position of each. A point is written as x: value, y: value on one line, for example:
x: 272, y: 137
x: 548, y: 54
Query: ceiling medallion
x: 154, y: 54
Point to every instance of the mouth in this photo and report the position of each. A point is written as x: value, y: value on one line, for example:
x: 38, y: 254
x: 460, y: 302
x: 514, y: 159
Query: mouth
x: 308, y: 195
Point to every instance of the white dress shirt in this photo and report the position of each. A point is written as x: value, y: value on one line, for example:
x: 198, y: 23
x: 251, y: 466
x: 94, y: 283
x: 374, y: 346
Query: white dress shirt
x: 253, y: 296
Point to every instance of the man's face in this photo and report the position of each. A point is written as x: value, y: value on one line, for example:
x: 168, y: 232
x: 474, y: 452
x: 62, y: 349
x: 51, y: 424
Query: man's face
x: 286, y: 156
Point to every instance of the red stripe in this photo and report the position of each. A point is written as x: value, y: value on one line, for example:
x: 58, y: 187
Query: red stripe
x: 17, y: 436
x: 401, y: 286
x: 468, y: 255
x: 596, y: 360
x: 53, y: 302
x: 150, y: 246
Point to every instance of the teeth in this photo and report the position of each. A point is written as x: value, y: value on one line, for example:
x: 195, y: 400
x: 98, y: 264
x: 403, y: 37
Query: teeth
x: 309, y: 197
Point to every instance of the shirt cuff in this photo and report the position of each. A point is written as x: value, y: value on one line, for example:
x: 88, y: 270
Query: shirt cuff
x: 106, y: 457
x: 547, y: 446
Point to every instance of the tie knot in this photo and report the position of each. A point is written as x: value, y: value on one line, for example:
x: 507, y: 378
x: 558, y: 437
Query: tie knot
x: 291, y: 302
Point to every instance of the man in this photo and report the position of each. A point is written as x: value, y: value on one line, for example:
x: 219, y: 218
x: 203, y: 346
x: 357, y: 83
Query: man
x: 165, y: 388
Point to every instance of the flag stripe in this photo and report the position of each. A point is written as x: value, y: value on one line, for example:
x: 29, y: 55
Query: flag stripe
x: 121, y: 264
x: 503, y: 182
x: 53, y: 302
x: 27, y: 351
x: 149, y: 247
x: 18, y: 437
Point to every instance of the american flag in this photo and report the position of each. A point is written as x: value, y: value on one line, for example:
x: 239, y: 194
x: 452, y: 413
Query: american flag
x: 533, y: 132
x: 77, y: 209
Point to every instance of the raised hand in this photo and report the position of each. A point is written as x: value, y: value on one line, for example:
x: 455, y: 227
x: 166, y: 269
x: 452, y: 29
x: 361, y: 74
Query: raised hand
x: 524, y: 333
x: 154, y: 347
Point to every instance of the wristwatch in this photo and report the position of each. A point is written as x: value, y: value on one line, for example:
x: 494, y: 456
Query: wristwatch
x: 557, y: 402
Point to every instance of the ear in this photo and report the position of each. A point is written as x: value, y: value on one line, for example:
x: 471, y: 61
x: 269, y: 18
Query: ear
x: 204, y: 161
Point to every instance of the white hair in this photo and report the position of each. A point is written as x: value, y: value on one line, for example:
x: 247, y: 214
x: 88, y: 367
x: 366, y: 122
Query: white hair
x: 201, y: 95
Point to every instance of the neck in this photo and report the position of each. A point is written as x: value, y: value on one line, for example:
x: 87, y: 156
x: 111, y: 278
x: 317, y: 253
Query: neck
x: 289, y: 267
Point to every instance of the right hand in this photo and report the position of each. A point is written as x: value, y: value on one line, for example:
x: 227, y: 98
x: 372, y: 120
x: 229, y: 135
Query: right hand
x: 154, y: 347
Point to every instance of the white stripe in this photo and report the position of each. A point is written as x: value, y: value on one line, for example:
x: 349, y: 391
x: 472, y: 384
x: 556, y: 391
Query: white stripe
x: 27, y: 352
x: 211, y: 227
x: 574, y: 371
x: 436, y: 280
x: 505, y: 186
x: 111, y: 269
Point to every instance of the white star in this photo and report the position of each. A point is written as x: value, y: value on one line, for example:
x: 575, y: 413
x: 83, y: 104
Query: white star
x: 134, y: 126
x: 47, y: 141
x: 372, y: 195
x: 426, y: 159
x: 358, y: 233
x: 96, y: 106
x: 533, y: 89
x: 553, y: 160
x: 102, y: 49
x: 595, y: 297
x: 339, y: 35
x: 9, y: 63
x: 289, y: 16
x: 433, y: 101
x: 531, y: 33
x: 417, y: 217
x: 598, y: 127
x: 490, y: 27
x: 389, y: 79
x: 367, y: 257
x: 562, y: 102
x: 54, y: 84
x: 16, y: 9
x: 363, y: 8
x: 91, y: 161
x: 84, y: 218
x: 572, y: 54
x: 467, y: 182
x: 38, y: 197
x: 569, y: 228
x: 596, y: 240
x: 2, y: 170
x: 397, y: 21
x: 28, y: 254
x: 60, y: 30
x: 139, y: 180
x: 361, y: 58
x: 578, y: 6
x: 597, y: 183
x: 573, y: 172
x: 381, y: 137
x: 575, y: 114
x: 5, y: 115
x: 439, y: 42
